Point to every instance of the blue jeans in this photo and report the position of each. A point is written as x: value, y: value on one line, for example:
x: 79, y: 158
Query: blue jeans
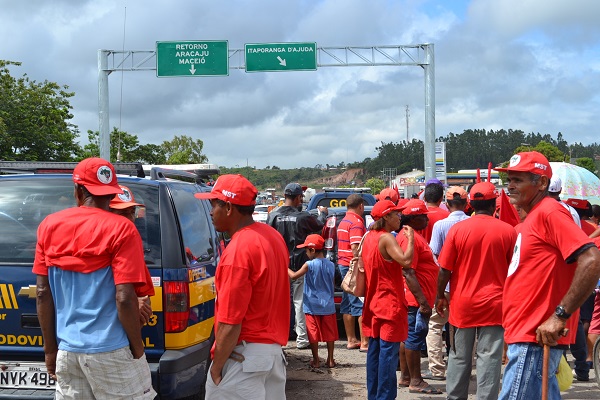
x: 579, y: 350
x: 382, y: 360
x: 523, y: 372
x: 351, y: 304
x: 416, y: 338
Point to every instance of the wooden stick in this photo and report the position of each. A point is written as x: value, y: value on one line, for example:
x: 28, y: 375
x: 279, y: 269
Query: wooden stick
x: 545, y: 372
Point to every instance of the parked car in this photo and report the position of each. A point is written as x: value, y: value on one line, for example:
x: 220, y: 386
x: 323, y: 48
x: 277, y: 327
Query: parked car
x: 336, y: 197
x: 181, y: 250
x: 261, y: 212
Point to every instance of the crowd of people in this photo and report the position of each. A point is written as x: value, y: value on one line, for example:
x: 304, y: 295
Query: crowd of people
x: 452, y: 277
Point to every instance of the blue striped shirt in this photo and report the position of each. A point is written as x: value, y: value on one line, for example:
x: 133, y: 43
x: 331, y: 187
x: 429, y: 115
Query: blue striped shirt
x: 441, y: 228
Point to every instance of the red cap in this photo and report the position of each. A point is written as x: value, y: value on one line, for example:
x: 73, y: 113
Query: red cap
x: 383, y: 208
x: 582, y: 204
x: 97, y: 175
x: 483, y: 191
x: 415, y: 207
x: 232, y: 188
x: 391, y: 193
x: 124, y: 200
x: 313, y: 241
x: 529, y: 161
x: 455, y: 189
x: 402, y: 202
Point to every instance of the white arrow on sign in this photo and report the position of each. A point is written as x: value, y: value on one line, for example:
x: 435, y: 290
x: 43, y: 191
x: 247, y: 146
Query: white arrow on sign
x: 193, y: 70
x: 281, y: 61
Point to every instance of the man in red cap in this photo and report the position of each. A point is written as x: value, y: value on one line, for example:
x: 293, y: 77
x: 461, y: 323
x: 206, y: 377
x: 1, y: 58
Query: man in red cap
x: 554, y: 268
x: 475, y: 259
x: 89, y: 264
x: 252, y: 309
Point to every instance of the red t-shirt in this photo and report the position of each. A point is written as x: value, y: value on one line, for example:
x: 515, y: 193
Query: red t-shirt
x: 538, y: 275
x: 385, y: 313
x: 425, y: 267
x: 587, y: 227
x: 85, y: 239
x: 350, y: 231
x: 477, y: 251
x: 253, y: 288
x: 437, y: 214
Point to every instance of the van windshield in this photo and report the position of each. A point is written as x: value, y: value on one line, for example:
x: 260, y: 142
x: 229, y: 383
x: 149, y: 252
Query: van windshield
x: 24, y: 203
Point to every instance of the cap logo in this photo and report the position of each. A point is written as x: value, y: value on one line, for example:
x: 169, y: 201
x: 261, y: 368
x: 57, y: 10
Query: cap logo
x: 540, y: 166
x: 104, y: 174
x: 415, y: 209
x: 126, y: 196
x: 515, y: 160
x: 229, y: 194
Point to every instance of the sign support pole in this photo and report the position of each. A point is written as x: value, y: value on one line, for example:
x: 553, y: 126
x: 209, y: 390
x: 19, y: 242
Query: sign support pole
x: 429, y: 143
x: 103, y: 72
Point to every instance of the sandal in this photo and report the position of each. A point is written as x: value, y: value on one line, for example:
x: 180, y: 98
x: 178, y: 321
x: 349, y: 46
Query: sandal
x: 425, y: 390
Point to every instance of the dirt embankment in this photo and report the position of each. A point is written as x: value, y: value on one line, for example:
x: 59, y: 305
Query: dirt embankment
x: 343, y: 178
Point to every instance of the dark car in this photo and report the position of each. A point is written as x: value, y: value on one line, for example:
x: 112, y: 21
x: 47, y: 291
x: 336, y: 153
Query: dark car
x: 336, y: 197
x: 181, y: 250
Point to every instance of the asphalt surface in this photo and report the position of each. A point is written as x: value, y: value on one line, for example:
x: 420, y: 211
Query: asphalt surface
x: 348, y: 379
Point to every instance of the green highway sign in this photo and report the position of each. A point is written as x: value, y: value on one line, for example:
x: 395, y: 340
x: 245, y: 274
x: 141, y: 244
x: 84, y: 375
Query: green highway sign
x: 192, y: 58
x: 280, y: 57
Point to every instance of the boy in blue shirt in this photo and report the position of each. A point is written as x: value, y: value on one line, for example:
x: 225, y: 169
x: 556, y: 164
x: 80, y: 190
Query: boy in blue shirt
x: 319, y: 308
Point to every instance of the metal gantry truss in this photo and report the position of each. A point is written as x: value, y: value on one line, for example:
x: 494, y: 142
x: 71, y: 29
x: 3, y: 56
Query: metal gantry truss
x: 348, y: 56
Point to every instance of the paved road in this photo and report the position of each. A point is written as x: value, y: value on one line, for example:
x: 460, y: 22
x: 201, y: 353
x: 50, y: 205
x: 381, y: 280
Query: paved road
x: 347, y: 380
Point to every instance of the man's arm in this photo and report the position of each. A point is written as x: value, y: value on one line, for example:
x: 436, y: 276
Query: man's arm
x: 441, y: 302
x: 129, y: 316
x: 46, y: 316
x: 225, y: 341
x: 415, y: 288
x: 585, y: 279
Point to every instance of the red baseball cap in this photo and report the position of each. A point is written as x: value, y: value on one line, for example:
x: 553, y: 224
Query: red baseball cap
x: 124, y: 200
x: 232, y: 188
x: 313, y: 241
x: 402, y: 202
x: 97, y: 175
x: 529, y: 161
x: 581, y: 204
x: 415, y: 207
x: 383, y: 208
x: 391, y: 193
x: 483, y: 191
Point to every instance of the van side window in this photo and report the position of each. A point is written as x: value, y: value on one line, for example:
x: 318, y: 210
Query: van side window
x: 194, y: 222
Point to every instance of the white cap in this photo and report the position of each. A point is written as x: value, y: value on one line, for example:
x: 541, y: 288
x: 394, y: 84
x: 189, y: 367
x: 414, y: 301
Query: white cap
x: 555, y: 184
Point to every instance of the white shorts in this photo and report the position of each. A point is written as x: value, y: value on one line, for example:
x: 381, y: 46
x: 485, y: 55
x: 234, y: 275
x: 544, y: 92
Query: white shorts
x: 260, y: 376
x: 111, y: 375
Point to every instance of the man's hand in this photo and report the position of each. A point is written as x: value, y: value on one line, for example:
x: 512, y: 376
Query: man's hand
x: 50, y: 359
x: 322, y: 209
x: 425, y: 310
x: 408, y: 232
x: 145, y: 309
x: 550, y: 331
x: 441, y: 306
x: 216, y: 376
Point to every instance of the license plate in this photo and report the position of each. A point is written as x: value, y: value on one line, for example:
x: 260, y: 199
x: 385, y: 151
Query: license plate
x: 25, y: 376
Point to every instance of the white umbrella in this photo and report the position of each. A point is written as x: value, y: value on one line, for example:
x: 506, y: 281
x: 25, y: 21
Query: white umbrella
x: 577, y: 182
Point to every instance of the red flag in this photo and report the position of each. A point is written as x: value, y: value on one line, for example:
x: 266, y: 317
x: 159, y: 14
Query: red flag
x: 508, y: 212
x: 478, y: 176
x: 489, y: 172
x: 395, y: 187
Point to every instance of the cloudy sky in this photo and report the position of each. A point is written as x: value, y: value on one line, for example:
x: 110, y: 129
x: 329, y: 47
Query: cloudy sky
x: 532, y: 65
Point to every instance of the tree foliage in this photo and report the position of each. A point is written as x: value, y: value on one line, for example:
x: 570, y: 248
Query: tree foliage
x: 34, y: 119
x: 587, y: 163
x: 126, y: 145
x: 375, y: 184
x: 184, y: 150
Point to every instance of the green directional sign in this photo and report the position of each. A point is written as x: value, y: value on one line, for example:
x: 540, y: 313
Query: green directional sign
x: 192, y: 58
x: 281, y: 57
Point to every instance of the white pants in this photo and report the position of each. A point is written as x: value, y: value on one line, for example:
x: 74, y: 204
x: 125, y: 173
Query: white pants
x: 298, y: 299
x: 261, y: 376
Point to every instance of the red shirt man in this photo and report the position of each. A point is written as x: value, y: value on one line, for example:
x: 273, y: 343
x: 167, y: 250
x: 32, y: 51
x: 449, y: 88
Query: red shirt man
x: 252, y: 310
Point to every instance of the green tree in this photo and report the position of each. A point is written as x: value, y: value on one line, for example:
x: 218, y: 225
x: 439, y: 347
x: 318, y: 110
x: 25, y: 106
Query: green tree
x: 121, y: 143
x: 184, y: 150
x: 375, y: 184
x: 551, y: 151
x: 34, y: 119
x: 587, y: 163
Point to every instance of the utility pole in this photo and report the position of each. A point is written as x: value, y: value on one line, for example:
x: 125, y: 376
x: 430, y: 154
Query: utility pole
x: 407, y: 119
